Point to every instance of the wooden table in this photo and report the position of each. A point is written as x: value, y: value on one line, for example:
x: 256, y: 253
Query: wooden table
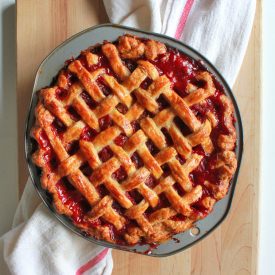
x: 233, y: 247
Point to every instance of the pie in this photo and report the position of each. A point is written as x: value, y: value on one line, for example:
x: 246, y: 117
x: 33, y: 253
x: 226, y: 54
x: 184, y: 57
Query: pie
x: 135, y: 141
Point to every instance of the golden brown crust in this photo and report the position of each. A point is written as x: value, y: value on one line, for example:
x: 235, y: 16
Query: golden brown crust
x: 161, y: 223
x: 112, y: 54
x: 132, y: 47
x: 227, y: 142
x: 153, y: 49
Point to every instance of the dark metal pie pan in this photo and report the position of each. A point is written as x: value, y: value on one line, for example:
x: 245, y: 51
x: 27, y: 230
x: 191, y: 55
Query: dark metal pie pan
x: 44, y: 76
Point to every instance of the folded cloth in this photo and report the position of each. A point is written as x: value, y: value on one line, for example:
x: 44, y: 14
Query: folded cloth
x: 38, y: 244
x: 219, y: 29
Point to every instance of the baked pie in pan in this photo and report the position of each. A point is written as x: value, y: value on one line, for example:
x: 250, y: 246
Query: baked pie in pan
x: 135, y: 141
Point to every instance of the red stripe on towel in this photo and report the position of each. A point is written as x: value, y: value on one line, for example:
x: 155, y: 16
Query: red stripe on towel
x: 92, y: 262
x: 183, y: 18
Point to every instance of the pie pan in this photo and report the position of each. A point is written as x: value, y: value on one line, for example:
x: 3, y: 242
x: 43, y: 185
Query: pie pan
x: 49, y: 69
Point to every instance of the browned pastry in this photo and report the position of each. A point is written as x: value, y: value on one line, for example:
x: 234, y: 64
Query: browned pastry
x: 135, y: 141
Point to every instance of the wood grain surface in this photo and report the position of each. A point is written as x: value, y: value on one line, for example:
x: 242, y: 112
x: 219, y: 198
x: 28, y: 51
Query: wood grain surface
x: 233, y: 247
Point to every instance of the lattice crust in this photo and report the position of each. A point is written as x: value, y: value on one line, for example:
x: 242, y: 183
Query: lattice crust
x: 147, y: 220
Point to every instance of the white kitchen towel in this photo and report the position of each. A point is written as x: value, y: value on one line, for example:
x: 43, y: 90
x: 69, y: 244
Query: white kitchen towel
x: 219, y: 29
x: 40, y: 245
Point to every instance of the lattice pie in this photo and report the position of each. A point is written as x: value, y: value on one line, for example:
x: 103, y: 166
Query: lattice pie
x: 135, y: 141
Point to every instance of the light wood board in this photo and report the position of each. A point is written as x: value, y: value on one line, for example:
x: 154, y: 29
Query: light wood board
x: 233, y: 247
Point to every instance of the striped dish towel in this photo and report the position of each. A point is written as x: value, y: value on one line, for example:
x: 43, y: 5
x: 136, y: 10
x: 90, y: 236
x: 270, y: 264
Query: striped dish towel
x: 38, y: 244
